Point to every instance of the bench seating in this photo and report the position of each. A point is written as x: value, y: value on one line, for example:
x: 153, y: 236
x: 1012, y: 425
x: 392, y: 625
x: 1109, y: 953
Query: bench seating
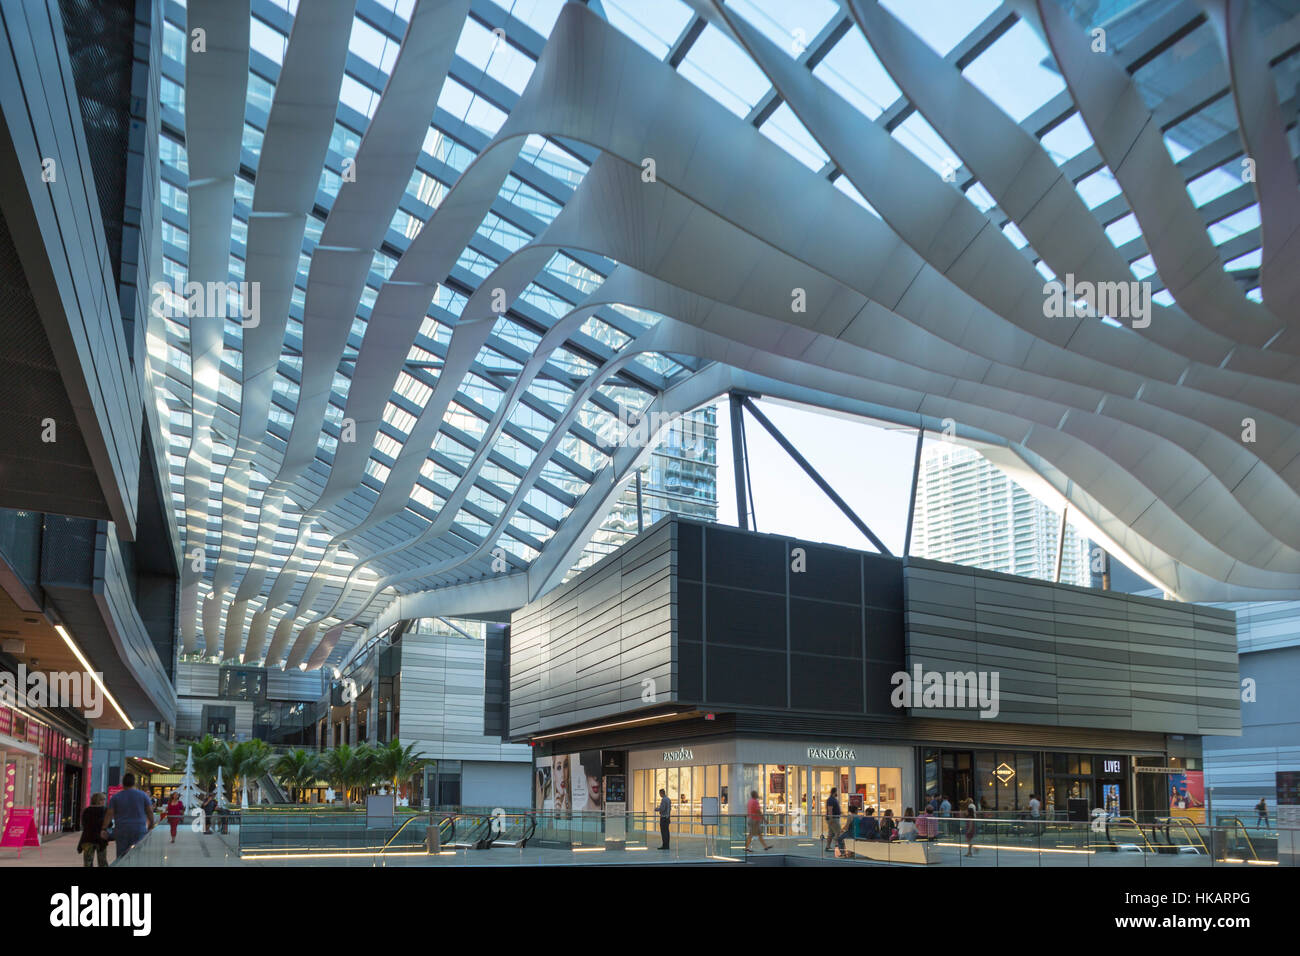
x: 894, y: 851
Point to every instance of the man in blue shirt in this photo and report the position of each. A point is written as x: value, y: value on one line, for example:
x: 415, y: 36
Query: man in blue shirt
x: 132, y: 811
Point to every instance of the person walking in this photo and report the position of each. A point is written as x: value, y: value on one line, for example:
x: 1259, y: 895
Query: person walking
x: 970, y: 828
x: 754, y: 816
x: 130, y: 812
x: 832, y: 817
x: 665, y: 816
x: 945, y: 810
x: 175, y: 811
x: 92, y: 844
x: 1261, y: 813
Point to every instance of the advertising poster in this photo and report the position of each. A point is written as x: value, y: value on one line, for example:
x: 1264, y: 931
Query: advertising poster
x: 561, y: 783
x: 544, y: 796
x: 1110, y: 797
x: 1187, y: 795
x: 587, y: 792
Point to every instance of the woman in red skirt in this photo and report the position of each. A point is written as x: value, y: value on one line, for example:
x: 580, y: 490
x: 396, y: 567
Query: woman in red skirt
x: 175, y: 812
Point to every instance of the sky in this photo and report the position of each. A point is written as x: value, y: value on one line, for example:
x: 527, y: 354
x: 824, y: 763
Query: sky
x: 869, y: 467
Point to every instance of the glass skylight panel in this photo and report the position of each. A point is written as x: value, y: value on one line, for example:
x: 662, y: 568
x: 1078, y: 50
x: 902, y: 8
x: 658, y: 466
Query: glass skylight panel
x: 791, y: 26
x: 1234, y: 225
x: 1012, y: 74
x: 784, y: 129
x: 723, y: 70
x: 1097, y: 188
x: 470, y: 108
x: 852, y: 70
x: 1123, y: 230
x: 1015, y: 235
x: 1251, y: 260
x: 552, y: 160
x: 942, y: 24
x: 843, y: 185
x: 359, y: 96
x: 1067, y: 139
x: 538, y: 14
x: 927, y: 145
x: 1215, y: 183
x: 505, y: 234
x: 654, y: 25
x: 266, y: 40
x: 492, y: 54
x: 372, y: 46
x: 980, y: 198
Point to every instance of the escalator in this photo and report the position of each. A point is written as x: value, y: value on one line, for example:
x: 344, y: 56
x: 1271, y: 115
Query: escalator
x: 513, y: 830
x: 465, y: 831
x: 270, y: 791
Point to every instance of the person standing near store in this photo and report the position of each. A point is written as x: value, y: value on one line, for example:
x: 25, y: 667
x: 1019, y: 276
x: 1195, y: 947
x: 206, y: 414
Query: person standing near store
x: 945, y: 810
x: 832, y: 817
x: 754, y: 815
x: 1261, y: 813
x: 970, y: 828
x: 92, y: 844
x: 209, y: 811
x: 665, y: 815
x: 132, y: 813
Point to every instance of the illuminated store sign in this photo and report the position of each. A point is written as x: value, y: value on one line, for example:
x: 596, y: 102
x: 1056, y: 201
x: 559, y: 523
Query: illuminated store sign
x: 671, y: 756
x: 1004, y: 772
x: 830, y: 753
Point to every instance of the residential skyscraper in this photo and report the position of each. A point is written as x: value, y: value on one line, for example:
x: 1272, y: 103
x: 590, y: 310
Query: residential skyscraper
x: 969, y: 512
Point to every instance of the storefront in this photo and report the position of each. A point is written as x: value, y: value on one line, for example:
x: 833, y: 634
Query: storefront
x: 41, y: 768
x: 793, y: 780
x: 1001, y: 782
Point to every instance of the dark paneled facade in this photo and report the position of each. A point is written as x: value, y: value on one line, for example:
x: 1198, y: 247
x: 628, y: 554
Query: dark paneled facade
x: 696, y: 617
x: 774, y: 623
x: 1073, y: 657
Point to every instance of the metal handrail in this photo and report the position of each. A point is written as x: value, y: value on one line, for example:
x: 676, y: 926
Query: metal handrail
x: 1136, y: 826
x: 1250, y: 844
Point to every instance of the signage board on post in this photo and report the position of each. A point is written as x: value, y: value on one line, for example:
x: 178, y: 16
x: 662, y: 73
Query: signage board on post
x: 379, y: 811
x: 20, y: 830
x: 710, y: 811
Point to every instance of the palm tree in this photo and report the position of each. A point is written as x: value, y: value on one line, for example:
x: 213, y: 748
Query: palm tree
x: 342, y: 767
x: 397, y: 764
x: 209, y: 754
x: 246, y: 761
x: 297, y: 770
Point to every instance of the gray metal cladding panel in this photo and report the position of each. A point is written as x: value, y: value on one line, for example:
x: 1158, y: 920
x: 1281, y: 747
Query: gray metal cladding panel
x: 1073, y: 657
x: 591, y: 647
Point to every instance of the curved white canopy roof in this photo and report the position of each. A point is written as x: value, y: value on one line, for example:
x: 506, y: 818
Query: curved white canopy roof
x: 478, y: 237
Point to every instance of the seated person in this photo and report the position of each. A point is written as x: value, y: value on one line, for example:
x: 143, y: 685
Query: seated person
x: 927, y: 825
x: 851, y: 831
x: 907, y: 829
x: 870, y: 825
x: 888, y: 826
